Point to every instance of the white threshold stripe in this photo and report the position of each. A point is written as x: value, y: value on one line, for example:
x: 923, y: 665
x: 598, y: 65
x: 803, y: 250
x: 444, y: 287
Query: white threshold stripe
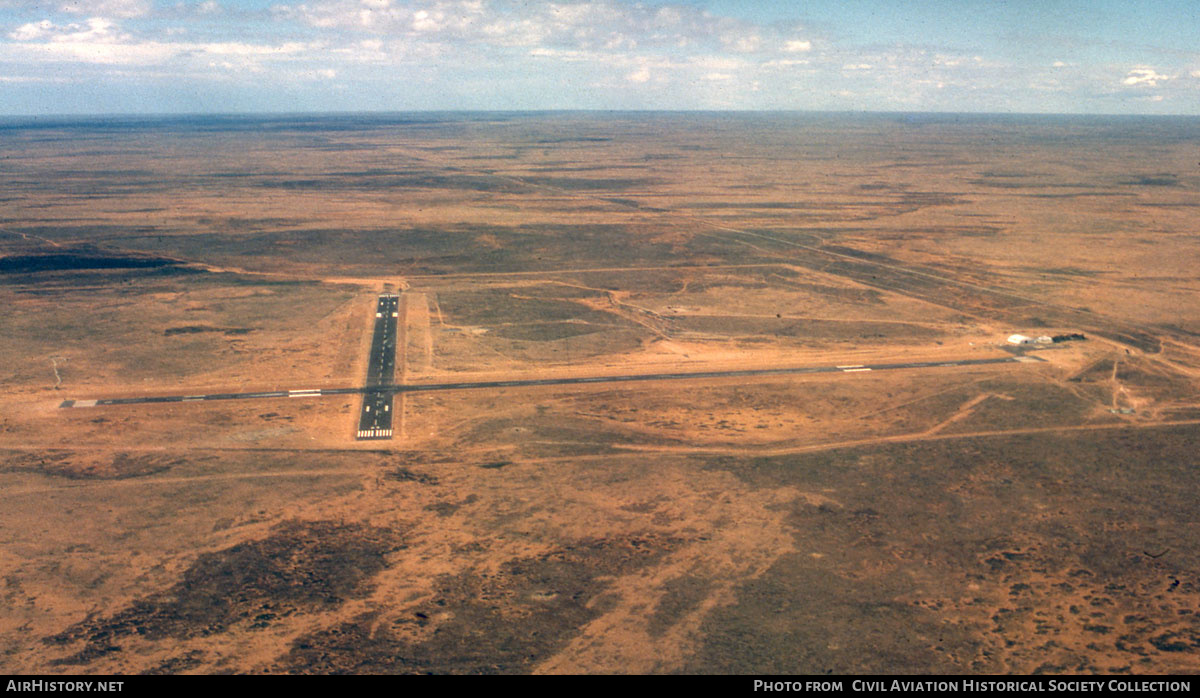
x: 375, y: 433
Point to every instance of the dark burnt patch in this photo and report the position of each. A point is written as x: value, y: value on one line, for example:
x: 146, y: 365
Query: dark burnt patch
x: 1164, y: 179
x: 303, y: 566
x: 403, y: 474
x: 178, y: 664
x: 201, y: 329
x: 78, y: 260
x: 481, y: 623
x: 75, y: 466
x: 681, y: 596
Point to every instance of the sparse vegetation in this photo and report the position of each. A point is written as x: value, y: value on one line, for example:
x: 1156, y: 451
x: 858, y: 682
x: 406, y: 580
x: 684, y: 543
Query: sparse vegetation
x: 1018, y: 517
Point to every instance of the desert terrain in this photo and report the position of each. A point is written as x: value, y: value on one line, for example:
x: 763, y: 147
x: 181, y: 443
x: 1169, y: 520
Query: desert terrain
x: 1032, y: 516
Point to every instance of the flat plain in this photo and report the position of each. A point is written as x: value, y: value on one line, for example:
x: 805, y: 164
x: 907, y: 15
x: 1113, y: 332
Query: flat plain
x: 1034, y: 516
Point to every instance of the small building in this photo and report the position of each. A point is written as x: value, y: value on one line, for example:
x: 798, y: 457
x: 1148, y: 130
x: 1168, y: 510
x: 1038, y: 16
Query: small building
x: 1020, y: 339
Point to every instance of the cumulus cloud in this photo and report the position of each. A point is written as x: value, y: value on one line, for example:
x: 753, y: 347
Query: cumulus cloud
x: 106, y: 8
x: 580, y: 24
x: 461, y: 17
x: 32, y: 31
x: 797, y: 46
x: 742, y: 42
x: 320, y: 74
x: 718, y: 63
x: 1144, y: 76
x: 100, y: 40
x: 785, y: 62
x: 96, y: 29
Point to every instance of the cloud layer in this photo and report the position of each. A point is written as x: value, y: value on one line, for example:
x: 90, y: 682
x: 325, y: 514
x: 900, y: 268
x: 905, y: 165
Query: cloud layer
x: 472, y: 54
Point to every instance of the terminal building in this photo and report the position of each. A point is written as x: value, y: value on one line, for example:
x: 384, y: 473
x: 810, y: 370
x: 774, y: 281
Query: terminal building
x: 1022, y: 339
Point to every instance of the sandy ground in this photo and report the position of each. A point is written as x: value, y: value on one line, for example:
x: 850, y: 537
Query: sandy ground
x: 1008, y: 518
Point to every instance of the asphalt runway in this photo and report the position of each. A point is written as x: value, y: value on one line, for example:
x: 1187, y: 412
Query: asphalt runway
x: 392, y: 389
x: 375, y: 422
x: 381, y: 365
x: 375, y: 417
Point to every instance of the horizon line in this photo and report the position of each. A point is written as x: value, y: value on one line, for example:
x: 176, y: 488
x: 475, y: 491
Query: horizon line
x: 382, y: 112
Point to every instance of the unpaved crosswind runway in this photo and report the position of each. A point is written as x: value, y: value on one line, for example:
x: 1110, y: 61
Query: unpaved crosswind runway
x: 483, y: 385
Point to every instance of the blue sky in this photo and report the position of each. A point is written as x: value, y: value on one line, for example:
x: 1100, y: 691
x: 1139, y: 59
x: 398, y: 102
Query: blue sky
x: 170, y: 56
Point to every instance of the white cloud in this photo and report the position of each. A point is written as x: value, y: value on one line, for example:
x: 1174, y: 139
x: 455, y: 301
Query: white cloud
x: 437, y: 17
x: 785, y: 62
x: 640, y: 75
x: 668, y: 16
x: 236, y: 48
x: 95, y: 29
x: 32, y: 31
x: 742, y: 43
x: 100, y: 40
x: 1046, y: 85
x: 1144, y: 76
x: 24, y: 80
x: 106, y: 8
x: 718, y: 63
x: 797, y: 46
x: 565, y: 24
x: 321, y: 74
x: 108, y: 53
x: 424, y: 21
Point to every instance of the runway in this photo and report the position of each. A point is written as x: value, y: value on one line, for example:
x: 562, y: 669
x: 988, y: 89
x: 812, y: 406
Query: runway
x: 375, y: 418
x: 390, y: 389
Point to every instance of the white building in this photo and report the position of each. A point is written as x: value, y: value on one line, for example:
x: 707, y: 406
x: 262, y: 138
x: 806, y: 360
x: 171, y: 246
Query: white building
x: 1020, y: 339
